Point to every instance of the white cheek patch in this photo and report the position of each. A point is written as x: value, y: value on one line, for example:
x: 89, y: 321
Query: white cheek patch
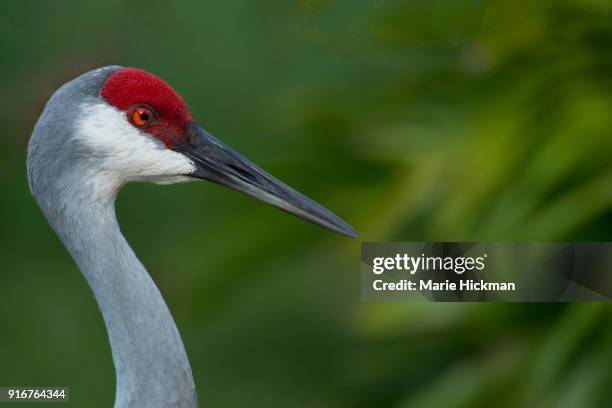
x: 104, y: 135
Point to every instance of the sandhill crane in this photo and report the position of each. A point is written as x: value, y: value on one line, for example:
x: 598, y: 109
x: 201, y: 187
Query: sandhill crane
x: 108, y: 127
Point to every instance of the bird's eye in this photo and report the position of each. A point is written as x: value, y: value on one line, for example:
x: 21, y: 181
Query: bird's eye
x: 142, y: 116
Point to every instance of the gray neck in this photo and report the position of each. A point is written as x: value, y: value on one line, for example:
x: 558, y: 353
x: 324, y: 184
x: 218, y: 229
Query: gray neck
x: 150, y: 360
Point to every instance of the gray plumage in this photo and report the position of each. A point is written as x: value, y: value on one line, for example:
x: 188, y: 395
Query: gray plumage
x: 78, y: 200
x: 82, y: 151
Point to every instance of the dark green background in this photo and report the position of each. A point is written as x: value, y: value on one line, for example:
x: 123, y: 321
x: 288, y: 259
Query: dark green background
x: 413, y: 120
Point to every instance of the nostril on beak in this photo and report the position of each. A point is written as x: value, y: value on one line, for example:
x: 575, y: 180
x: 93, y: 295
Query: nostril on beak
x: 244, y: 173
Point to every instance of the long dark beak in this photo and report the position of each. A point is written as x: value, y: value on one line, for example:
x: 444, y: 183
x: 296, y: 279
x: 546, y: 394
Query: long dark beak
x: 220, y: 164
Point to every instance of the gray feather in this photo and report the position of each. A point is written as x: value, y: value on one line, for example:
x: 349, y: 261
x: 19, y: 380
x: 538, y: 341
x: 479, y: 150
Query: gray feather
x: 151, y: 364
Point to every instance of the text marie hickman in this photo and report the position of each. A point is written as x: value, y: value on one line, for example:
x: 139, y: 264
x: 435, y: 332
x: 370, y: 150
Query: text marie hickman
x: 430, y: 284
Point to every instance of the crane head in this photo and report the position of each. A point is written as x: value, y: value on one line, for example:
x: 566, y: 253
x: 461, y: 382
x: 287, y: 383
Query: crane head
x: 125, y: 124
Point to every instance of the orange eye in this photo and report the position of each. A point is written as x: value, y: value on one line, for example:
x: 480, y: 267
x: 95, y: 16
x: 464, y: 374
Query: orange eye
x: 141, y: 116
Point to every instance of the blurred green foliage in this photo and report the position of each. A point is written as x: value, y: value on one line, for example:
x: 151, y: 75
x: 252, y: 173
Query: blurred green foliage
x: 414, y: 120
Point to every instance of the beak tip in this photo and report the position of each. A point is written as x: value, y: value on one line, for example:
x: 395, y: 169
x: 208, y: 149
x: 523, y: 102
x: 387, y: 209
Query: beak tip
x: 352, y: 234
x: 347, y: 231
